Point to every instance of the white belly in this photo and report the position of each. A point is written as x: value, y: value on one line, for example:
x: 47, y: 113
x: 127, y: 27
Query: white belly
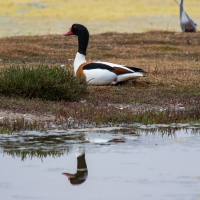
x: 99, y: 77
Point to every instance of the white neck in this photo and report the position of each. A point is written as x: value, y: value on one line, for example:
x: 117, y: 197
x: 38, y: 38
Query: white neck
x: 79, y: 59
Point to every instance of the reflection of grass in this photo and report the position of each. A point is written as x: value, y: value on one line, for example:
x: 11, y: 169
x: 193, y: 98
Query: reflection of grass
x: 41, y: 146
x: 31, y: 154
x: 172, y: 81
x: 44, y: 146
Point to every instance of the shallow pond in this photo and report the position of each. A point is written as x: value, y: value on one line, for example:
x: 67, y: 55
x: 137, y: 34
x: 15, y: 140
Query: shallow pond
x: 112, y: 164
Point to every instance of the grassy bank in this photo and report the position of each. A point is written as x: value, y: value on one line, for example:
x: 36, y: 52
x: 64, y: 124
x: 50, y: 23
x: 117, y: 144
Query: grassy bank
x: 170, y: 93
x: 42, y: 81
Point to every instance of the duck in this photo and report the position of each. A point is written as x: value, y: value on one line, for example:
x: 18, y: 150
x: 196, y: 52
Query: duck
x: 187, y: 24
x: 81, y: 173
x: 99, y: 73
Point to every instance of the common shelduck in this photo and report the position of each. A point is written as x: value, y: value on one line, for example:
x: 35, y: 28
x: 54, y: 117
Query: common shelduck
x: 98, y: 73
x: 82, y: 172
x: 187, y: 24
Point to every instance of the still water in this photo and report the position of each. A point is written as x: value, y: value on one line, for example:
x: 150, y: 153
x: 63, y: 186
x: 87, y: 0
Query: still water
x: 101, y: 165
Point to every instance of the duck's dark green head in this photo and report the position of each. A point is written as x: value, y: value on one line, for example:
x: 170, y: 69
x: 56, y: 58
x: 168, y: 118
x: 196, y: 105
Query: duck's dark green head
x: 83, y: 36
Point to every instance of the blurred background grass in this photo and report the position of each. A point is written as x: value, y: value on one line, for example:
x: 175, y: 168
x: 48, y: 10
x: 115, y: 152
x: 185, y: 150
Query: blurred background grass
x: 38, y: 17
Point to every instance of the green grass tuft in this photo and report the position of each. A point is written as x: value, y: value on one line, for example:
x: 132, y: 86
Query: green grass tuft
x: 42, y: 81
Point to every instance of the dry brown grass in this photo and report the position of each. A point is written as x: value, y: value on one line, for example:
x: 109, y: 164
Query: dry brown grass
x: 168, y: 57
x: 171, y: 60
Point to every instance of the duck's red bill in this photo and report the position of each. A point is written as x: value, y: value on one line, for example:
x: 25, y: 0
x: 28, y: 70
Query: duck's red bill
x: 69, y: 33
x: 68, y: 175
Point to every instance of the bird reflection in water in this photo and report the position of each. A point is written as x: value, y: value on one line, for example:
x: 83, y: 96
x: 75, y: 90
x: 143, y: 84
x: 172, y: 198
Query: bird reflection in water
x: 82, y: 172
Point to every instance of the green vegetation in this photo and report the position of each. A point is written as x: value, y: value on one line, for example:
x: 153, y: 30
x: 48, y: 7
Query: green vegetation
x: 170, y: 92
x: 42, y: 81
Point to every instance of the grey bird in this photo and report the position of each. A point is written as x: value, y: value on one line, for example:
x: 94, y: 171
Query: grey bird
x: 187, y: 24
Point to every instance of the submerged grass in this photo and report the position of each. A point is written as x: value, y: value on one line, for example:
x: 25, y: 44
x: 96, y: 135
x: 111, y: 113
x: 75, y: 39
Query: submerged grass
x: 170, y: 93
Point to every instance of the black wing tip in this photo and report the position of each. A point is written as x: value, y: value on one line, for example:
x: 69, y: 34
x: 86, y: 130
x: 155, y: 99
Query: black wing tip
x: 135, y: 69
x: 141, y: 70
